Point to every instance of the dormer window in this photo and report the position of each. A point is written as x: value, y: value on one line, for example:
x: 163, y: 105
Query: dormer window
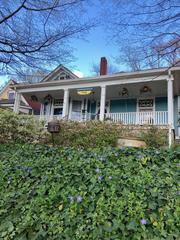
x: 62, y: 76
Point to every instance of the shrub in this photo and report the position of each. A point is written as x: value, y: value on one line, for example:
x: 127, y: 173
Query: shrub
x: 53, y: 193
x: 20, y: 128
x: 25, y: 128
x: 155, y: 137
x: 87, y: 135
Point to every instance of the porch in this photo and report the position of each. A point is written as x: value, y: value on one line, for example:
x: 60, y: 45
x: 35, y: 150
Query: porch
x: 145, y: 98
x: 127, y: 104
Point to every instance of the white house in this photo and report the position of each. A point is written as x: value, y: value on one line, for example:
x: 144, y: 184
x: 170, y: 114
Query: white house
x: 132, y: 98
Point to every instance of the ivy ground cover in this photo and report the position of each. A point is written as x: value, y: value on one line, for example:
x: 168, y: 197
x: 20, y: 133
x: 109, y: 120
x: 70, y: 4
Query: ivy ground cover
x: 102, y: 194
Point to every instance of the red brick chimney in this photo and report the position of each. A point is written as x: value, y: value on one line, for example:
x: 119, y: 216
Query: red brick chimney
x: 103, y: 66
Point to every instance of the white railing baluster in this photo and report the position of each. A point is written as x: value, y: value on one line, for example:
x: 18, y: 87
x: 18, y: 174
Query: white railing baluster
x: 127, y: 118
x: 139, y: 118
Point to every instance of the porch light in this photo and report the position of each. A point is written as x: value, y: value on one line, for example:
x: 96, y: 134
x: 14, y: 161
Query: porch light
x: 84, y: 91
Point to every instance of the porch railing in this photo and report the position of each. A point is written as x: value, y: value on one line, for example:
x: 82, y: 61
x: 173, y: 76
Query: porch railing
x: 48, y: 118
x: 128, y: 118
x: 139, y: 118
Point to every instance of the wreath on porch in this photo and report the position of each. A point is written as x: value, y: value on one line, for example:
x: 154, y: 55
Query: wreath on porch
x: 145, y: 89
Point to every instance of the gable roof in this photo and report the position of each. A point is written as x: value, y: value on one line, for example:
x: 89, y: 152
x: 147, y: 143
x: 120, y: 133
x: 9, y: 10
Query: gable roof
x: 56, y: 72
x: 7, y: 85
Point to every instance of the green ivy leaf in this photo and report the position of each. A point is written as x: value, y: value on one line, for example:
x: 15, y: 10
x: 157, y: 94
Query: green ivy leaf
x: 132, y: 225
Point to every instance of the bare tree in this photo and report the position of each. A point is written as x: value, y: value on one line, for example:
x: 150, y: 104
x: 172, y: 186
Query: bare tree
x: 170, y: 51
x: 130, y: 57
x: 136, y: 58
x: 36, y: 33
x: 156, y: 56
x: 31, y: 75
x: 146, y: 24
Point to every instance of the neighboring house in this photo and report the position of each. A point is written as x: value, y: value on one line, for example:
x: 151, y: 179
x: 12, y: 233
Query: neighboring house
x: 134, y: 98
x: 7, y: 100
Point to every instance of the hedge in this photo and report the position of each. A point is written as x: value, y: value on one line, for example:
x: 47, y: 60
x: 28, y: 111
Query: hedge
x: 24, y: 128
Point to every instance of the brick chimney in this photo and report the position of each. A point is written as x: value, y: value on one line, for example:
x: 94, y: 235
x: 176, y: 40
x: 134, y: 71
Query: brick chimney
x: 103, y: 66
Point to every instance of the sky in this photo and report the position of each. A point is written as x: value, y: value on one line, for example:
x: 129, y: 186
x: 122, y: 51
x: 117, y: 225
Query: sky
x: 97, y: 44
x: 88, y: 51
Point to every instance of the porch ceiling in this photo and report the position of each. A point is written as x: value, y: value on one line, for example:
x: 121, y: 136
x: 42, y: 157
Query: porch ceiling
x: 59, y: 94
x: 158, y: 88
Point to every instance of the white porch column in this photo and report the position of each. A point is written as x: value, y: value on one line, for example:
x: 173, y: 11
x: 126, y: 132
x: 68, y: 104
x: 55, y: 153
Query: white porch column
x: 102, y: 103
x: 178, y: 117
x: 65, y: 103
x: 41, y: 112
x: 51, y: 117
x: 17, y: 102
x: 170, y: 107
x: 178, y: 104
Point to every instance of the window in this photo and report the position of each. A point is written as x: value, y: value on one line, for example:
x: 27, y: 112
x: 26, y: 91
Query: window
x: 11, y: 95
x: 58, y: 111
x: 76, y: 106
x: 58, y: 102
x: 62, y: 76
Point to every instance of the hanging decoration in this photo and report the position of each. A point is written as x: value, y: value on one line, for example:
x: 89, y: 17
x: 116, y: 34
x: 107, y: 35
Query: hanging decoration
x: 125, y: 92
x: 48, y: 99
x: 145, y: 89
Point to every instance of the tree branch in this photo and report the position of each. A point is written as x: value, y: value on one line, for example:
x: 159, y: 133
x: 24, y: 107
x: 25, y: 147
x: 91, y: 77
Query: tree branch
x: 5, y: 18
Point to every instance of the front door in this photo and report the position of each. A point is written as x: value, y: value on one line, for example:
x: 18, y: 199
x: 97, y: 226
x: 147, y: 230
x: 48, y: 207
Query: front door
x: 146, y: 111
x: 76, y: 110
